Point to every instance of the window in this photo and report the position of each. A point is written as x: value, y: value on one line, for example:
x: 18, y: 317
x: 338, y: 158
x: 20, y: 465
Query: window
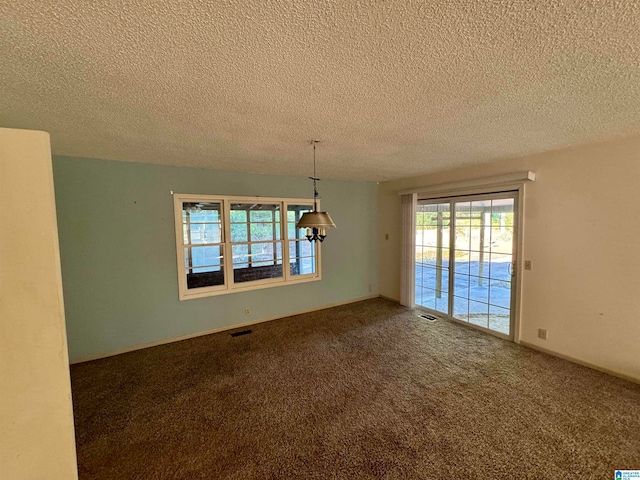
x: 230, y: 244
x: 302, y: 258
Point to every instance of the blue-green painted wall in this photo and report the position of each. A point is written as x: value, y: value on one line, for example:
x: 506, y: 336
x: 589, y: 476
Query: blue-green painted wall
x: 117, y: 246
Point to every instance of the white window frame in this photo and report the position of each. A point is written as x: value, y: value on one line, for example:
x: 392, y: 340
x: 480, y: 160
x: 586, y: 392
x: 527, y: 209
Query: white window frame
x: 229, y: 285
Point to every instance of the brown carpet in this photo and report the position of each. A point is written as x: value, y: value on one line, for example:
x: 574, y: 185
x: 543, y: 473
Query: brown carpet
x: 366, y: 390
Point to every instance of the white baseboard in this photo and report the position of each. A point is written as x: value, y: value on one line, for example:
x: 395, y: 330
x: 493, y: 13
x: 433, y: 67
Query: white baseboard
x: 581, y: 362
x: 214, y: 330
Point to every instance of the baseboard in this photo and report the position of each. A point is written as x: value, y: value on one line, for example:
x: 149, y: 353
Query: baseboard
x: 580, y: 362
x: 390, y: 299
x: 214, y: 330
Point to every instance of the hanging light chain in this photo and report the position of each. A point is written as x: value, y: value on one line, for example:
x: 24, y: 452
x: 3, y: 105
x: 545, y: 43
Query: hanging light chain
x: 314, y: 178
x: 315, y: 222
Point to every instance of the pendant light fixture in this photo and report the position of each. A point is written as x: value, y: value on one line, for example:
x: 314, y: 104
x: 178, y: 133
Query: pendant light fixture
x: 315, y: 222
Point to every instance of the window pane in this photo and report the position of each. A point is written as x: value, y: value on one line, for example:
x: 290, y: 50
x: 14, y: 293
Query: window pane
x: 302, y: 257
x: 463, y: 237
x: 500, y: 293
x: 479, y: 289
x: 261, y: 216
x: 257, y: 261
x: 238, y: 215
x: 433, y: 256
x: 502, y: 225
x: 434, y: 278
x: 461, y: 285
x: 501, y: 239
x: 501, y: 267
x: 202, y: 222
x: 205, y: 233
x: 431, y: 236
x: 293, y: 232
x: 461, y: 308
x: 302, y: 266
x: 202, y: 225
x: 257, y: 272
x: 264, y: 231
x: 239, y: 232
x: 294, y: 213
x: 202, y: 212
x: 264, y: 261
x: 427, y: 298
x: 461, y: 261
x: 258, y: 212
x: 479, y: 264
x: 240, y: 254
x: 301, y: 248
x: 261, y: 252
x: 499, y: 319
x: 203, y: 256
x: 204, y: 266
x: 479, y: 313
x: 463, y: 225
x: 255, y: 222
x: 206, y: 278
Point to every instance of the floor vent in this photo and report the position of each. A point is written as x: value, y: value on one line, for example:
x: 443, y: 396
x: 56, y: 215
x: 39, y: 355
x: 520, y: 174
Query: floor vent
x: 242, y: 332
x: 429, y: 318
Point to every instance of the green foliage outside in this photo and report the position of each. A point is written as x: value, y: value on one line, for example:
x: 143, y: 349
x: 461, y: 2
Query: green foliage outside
x: 430, y: 219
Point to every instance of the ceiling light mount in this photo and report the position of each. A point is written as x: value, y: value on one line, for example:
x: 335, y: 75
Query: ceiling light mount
x: 315, y: 222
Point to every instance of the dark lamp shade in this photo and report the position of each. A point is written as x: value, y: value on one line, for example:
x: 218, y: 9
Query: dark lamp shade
x: 315, y: 220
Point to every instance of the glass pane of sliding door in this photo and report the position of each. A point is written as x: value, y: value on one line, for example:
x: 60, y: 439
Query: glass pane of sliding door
x: 483, y: 256
x: 432, y: 255
x: 464, y: 255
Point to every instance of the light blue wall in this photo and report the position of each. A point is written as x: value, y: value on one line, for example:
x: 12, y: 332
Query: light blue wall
x: 117, y: 246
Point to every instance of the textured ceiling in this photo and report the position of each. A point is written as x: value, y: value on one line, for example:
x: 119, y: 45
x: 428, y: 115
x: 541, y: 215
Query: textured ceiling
x: 392, y: 88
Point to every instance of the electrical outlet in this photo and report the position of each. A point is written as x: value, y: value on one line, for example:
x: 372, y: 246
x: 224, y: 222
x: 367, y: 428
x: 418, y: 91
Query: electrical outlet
x: 542, y: 333
x: 247, y: 311
x: 386, y: 236
x: 527, y: 264
x: 369, y: 287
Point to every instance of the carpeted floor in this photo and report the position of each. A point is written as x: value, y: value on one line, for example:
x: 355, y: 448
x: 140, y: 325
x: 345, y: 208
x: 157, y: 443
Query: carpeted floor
x: 366, y: 390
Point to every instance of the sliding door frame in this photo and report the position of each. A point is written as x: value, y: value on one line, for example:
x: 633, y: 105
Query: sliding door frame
x: 457, y: 194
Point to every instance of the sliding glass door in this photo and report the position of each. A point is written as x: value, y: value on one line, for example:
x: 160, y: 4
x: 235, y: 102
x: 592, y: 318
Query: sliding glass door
x: 465, y: 251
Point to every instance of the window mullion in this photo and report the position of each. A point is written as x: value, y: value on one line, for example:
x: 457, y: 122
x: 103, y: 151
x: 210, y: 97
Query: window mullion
x: 249, y: 256
x: 318, y: 249
x: 284, y: 237
x: 298, y: 249
x: 275, y: 236
x: 226, y: 239
x: 190, y: 254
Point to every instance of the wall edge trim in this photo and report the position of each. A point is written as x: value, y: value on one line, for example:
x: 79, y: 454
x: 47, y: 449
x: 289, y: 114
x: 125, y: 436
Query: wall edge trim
x: 390, y: 299
x: 157, y: 343
x: 584, y: 363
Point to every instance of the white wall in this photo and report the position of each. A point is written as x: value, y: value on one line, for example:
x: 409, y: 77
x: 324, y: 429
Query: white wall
x: 582, y: 233
x: 36, y: 419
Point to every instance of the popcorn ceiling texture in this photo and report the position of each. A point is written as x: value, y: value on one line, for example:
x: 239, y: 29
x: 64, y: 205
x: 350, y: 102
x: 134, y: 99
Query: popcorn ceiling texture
x: 393, y: 88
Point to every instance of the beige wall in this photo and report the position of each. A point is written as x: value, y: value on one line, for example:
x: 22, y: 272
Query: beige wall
x: 582, y: 233
x: 36, y: 419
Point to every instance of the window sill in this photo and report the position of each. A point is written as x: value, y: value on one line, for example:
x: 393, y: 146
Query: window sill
x: 222, y: 290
